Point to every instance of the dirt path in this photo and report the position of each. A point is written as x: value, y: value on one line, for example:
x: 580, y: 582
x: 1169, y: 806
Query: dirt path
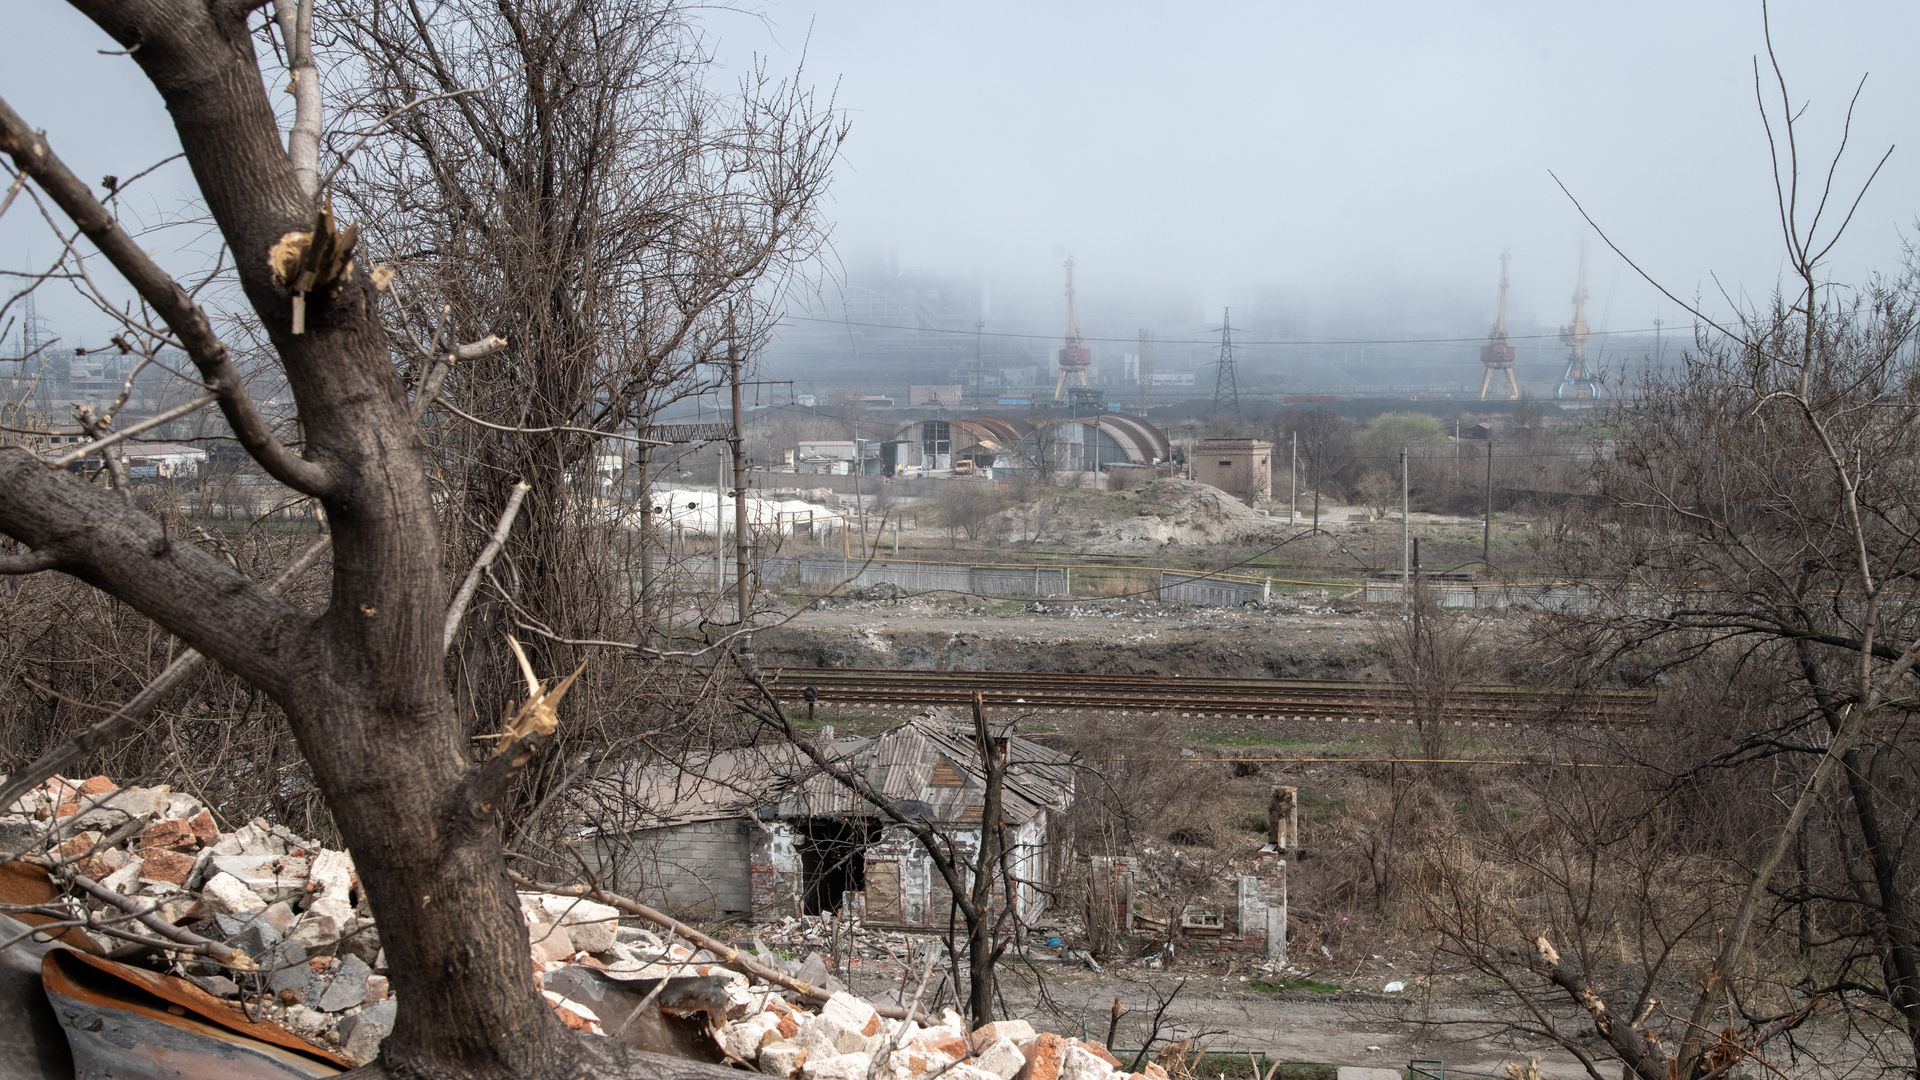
x: 1344, y: 1029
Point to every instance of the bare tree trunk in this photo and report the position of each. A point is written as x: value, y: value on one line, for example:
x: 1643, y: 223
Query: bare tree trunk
x: 362, y: 682
x: 981, y: 952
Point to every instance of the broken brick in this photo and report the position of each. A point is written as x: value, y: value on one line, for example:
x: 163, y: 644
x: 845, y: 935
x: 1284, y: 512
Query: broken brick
x: 1045, y: 1058
x: 1098, y: 1051
x: 575, y: 1016
x: 1018, y: 1032
x: 77, y: 845
x: 167, y: 867
x: 204, y: 829
x: 168, y: 834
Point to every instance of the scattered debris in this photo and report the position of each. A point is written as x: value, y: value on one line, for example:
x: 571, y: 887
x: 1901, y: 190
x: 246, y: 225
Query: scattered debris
x: 303, y: 966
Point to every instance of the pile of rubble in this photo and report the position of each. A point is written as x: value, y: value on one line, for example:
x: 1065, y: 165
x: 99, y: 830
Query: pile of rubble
x: 311, y: 956
x: 848, y: 1040
x: 297, y: 946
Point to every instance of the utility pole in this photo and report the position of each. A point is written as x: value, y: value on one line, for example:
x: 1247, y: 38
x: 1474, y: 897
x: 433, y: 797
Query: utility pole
x: 719, y: 532
x: 1293, y: 475
x: 646, y: 537
x: 1486, y: 525
x: 979, y: 361
x: 743, y: 581
x: 1315, y: 481
x: 1406, y: 536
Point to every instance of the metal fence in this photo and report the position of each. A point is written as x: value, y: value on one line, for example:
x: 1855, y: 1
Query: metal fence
x: 1488, y: 595
x: 819, y: 572
x: 1213, y: 591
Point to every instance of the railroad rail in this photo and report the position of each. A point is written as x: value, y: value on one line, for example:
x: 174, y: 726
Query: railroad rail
x: 1286, y: 699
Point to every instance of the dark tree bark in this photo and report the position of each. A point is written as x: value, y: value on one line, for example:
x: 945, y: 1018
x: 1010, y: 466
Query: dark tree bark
x: 361, y: 681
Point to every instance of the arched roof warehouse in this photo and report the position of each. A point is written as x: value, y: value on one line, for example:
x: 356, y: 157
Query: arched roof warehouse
x: 1141, y: 442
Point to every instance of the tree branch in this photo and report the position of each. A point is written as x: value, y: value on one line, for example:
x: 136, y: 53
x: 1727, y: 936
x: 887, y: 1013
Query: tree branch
x: 202, y: 599
x: 458, y: 609
x: 123, y: 720
x: 27, y: 562
x: 87, y: 450
x: 295, y: 18
x: 186, y: 319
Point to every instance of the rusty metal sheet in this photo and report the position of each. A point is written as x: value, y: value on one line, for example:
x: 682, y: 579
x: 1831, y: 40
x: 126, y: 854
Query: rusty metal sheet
x: 25, y: 884
x: 676, y: 1022
x: 129, y: 1024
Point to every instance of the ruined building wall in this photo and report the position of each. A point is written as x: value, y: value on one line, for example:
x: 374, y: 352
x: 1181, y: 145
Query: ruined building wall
x: 696, y: 869
x: 773, y: 870
x: 1253, y: 922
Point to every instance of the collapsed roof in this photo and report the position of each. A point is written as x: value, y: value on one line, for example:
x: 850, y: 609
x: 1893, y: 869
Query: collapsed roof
x: 930, y: 767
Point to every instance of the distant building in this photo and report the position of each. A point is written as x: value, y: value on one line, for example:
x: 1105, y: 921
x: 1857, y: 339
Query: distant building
x: 948, y: 394
x: 839, y: 449
x: 1240, y: 467
x: 1055, y: 441
x: 835, y: 456
x: 164, y: 461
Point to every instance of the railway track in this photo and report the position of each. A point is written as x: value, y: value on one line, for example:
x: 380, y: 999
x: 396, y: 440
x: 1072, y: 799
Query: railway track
x: 1052, y: 691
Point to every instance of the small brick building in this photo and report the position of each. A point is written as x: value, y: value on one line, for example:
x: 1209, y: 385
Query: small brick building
x: 764, y: 832
x: 1242, y: 468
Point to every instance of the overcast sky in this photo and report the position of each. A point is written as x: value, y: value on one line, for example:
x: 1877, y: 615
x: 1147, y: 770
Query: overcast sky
x: 1359, y: 156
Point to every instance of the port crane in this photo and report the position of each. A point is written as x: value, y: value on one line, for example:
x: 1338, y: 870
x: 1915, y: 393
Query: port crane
x: 1577, y: 381
x: 1497, y: 353
x: 1075, y: 357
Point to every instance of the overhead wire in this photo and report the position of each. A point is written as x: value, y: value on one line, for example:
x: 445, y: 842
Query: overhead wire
x: 1476, y: 339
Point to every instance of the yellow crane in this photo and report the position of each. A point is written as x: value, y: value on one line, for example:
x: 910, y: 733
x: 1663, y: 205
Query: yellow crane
x: 1576, y: 381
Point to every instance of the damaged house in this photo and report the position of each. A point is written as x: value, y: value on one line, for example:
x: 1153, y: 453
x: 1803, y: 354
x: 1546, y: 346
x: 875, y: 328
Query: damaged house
x: 764, y: 832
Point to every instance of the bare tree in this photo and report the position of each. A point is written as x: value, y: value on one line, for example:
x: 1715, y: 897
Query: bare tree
x: 1432, y: 652
x: 1759, y: 503
x: 1381, y: 491
x: 362, y: 680
x: 964, y: 510
x: 560, y: 173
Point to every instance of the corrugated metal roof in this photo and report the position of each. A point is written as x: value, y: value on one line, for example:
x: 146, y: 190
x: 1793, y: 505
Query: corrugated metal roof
x: 929, y: 766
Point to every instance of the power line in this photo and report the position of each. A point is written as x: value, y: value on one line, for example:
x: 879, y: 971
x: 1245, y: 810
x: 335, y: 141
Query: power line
x: 1226, y: 386
x: 1275, y: 342
x: 1200, y: 760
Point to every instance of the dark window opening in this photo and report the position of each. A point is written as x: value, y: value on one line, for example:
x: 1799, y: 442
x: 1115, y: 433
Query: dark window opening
x: 1226, y: 464
x: 833, y: 861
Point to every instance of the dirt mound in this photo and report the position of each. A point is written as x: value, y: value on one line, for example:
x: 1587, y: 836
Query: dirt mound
x: 1160, y: 514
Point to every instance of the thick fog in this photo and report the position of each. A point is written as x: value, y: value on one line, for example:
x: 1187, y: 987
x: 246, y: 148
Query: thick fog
x: 1371, y: 158
x: 1330, y: 170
